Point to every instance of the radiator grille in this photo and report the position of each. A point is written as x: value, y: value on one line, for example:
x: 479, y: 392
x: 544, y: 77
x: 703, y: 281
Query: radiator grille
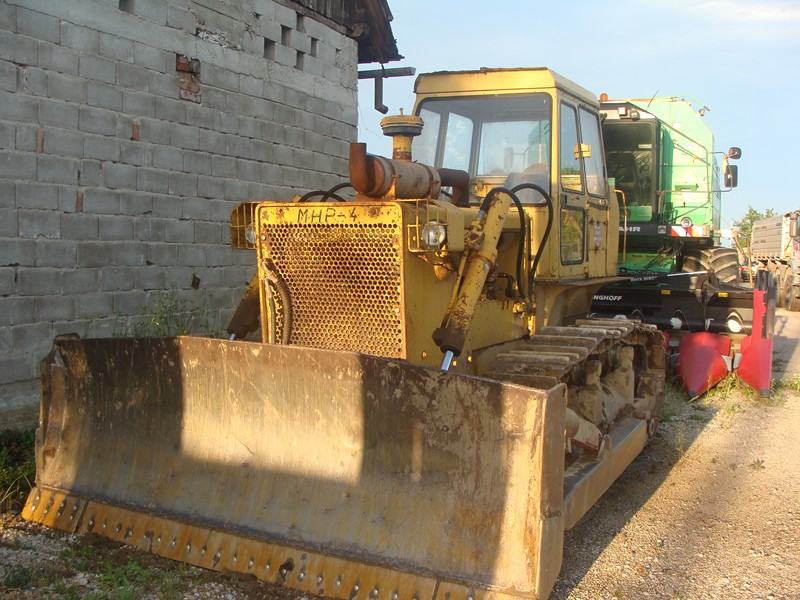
x: 344, y: 281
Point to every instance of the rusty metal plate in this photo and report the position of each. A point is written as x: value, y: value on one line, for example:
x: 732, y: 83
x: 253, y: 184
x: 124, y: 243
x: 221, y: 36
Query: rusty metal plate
x: 221, y: 453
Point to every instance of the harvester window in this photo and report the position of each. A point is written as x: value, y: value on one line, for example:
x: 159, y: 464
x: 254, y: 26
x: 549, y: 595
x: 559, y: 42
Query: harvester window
x: 630, y: 156
x: 595, y: 170
x: 570, y: 164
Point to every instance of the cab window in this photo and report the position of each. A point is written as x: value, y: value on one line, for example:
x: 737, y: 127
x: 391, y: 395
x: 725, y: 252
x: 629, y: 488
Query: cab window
x: 595, y: 171
x: 570, y: 168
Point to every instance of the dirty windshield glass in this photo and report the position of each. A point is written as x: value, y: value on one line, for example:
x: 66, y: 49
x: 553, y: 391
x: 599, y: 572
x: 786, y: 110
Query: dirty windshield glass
x: 495, y: 136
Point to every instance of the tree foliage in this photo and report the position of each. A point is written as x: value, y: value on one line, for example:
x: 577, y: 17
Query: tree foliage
x: 744, y: 226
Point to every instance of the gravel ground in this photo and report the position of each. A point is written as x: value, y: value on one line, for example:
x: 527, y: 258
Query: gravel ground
x: 710, y: 510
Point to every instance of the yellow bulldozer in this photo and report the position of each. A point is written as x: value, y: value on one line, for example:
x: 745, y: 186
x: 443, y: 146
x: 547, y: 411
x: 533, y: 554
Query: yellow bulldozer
x: 429, y: 406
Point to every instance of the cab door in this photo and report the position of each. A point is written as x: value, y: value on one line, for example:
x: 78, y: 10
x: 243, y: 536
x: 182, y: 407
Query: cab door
x: 572, y: 196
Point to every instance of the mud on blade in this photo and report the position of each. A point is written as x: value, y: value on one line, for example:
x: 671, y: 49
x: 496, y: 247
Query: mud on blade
x: 330, y: 472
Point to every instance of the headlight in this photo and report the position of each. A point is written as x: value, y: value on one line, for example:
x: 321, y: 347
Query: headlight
x: 250, y: 234
x: 434, y: 234
x: 686, y: 222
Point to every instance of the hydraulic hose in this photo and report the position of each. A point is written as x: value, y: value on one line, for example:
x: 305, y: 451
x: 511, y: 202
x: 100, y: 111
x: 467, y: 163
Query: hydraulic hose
x: 523, y: 229
x: 547, y: 228
x: 331, y: 193
x: 286, y: 305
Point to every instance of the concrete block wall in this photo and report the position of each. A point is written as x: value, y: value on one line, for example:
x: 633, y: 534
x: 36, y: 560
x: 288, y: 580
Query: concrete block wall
x: 114, y: 189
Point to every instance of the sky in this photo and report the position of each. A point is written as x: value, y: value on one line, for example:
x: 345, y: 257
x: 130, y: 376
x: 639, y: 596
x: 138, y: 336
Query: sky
x: 740, y: 58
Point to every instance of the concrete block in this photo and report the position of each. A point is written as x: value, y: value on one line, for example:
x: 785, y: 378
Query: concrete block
x: 54, y: 308
x: 218, y: 77
x: 118, y: 175
x: 197, y: 163
x: 168, y: 109
x: 95, y: 120
x: 129, y: 253
x: 80, y: 281
x: 179, y: 231
x: 104, y: 96
x: 63, y: 143
x: 38, y: 281
x: 58, y: 114
x: 79, y: 226
x: 153, y: 180
x: 132, y: 76
x: 100, y: 69
x: 134, y: 153
x: 154, y: 131
x: 248, y: 170
x: 168, y: 207
x: 165, y: 157
x: 7, y: 136
x: 130, y: 303
x: 14, y: 252
x: 16, y: 310
x: 19, y: 108
x: 191, y: 255
x: 152, y: 10
x: 135, y: 203
x: 8, y: 223
x: 100, y: 148
x: 58, y: 58
x: 136, y: 103
x: 18, y: 49
x: 180, y: 18
x: 179, y: 277
x: 38, y: 224
x: 184, y: 136
x: 206, y: 232
x: 66, y: 87
x: 162, y: 254
x: 32, y: 336
x: 183, y: 184
x: 37, y: 195
x: 117, y: 279
x: 8, y: 76
x: 117, y: 48
x: 55, y: 169
x: 17, y: 165
x: 8, y: 283
x: 96, y: 304
x: 222, y: 166
x: 101, y: 201
x: 214, y: 98
x: 91, y: 173
x: 116, y: 228
x: 38, y: 25
x: 15, y: 369
x: 150, y: 278
x: 197, y: 115
x: 237, y: 191
x: 163, y: 85
x: 8, y: 17
x: 213, y: 141
x: 56, y: 253
x: 151, y: 58
x: 27, y: 138
x: 79, y: 38
x: 7, y: 194
x: 210, y: 187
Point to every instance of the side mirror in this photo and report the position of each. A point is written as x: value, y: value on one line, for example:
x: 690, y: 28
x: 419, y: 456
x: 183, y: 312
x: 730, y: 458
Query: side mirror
x: 734, y: 152
x: 582, y: 151
x: 731, y: 176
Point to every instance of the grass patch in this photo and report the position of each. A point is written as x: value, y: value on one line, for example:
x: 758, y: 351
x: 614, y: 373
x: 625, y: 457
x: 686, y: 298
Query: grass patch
x: 17, y: 468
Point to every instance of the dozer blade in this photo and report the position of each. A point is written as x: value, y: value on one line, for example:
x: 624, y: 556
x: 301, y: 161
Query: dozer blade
x: 329, y: 472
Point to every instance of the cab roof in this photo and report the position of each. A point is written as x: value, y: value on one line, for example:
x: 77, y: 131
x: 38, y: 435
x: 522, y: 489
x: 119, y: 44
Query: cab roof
x: 448, y: 83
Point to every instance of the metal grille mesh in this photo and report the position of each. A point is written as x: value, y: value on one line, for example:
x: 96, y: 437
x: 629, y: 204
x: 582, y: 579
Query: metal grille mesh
x: 345, y: 284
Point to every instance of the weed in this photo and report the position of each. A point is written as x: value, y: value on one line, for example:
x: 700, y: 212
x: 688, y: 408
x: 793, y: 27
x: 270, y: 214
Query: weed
x: 757, y: 465
x: 17, y: 468
x: 169, y: 317
x: 680, y: 439
x: 17, y: 577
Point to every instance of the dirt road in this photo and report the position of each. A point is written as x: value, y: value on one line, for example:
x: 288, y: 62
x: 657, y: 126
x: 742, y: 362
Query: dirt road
x: 710, y: 510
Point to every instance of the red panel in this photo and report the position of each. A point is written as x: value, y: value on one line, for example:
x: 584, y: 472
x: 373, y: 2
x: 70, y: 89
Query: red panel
x: 700, y: 362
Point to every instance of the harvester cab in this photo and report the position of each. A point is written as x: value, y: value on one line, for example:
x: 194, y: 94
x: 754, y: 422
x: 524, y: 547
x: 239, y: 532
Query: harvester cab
x: 428, y: 408
x: 660, y: 154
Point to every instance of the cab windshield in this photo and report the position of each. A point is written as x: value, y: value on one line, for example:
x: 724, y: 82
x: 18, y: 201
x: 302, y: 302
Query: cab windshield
x: 630, y: 154
x: 504, y: 137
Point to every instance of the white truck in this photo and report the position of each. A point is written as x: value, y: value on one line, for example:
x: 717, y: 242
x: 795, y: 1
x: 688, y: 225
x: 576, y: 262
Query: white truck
x: 775, y: 246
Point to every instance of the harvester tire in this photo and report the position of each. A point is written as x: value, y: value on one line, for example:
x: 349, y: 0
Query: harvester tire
x: 723, y: 261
